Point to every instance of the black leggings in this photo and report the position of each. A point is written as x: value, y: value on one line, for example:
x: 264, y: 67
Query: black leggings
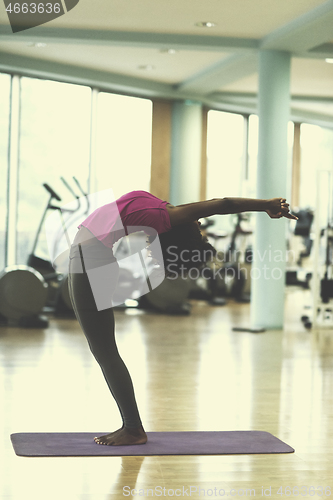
x: 99, y: 328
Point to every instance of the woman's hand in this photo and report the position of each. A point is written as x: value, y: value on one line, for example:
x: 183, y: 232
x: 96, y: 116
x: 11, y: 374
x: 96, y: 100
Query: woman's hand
x: 278, y: 207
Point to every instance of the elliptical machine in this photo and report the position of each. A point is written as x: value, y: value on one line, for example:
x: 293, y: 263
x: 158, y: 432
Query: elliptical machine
x: 58, y: 300
x: 302, y: 229
x: 41, y: 265
x: 28, y: 290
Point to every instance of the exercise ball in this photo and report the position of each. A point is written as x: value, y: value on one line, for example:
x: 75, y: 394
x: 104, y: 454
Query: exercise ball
x: 170, y: 294
x: 23, y: 292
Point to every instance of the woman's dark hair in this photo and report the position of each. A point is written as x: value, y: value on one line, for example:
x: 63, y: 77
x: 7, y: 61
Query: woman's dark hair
x: 183, y: 248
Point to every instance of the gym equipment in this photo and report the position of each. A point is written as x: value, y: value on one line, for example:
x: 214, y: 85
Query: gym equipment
x: 211, y: 287
x: 42, y: 265
x: 58, y: 297
x: 237, y: 267
x: 326, y: 284
x: 302, y: 229
x: 322, y: 279
x: 27, y: 290
x: 54, y: 279
x: 24, y: 290
x: 216, y: 284
x: 169, y: 297
x: 23, y: 294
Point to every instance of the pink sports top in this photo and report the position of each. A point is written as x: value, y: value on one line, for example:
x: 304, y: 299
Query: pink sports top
x: 123, y: 216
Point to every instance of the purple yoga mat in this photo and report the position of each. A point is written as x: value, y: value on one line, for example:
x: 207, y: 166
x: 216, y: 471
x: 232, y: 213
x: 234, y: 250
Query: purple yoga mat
x: 82, y: 444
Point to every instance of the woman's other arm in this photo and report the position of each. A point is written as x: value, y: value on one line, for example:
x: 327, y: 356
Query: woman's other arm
x: 182, y: 214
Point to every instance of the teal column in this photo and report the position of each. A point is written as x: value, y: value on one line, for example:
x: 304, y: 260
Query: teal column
x: 186, y: 138
x: 269, y: 249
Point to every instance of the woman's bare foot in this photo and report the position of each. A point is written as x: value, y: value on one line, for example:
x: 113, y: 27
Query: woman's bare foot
x: 123, y: 436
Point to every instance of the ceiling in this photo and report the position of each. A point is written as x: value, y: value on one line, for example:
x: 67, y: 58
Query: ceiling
x: 154, y: 48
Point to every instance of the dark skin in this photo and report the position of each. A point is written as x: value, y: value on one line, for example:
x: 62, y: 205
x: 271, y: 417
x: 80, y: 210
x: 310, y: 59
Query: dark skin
x: 190, y: 212
x: 276, y: 208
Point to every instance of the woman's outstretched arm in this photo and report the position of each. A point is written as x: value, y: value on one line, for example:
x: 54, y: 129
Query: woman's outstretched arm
x: 182, y: 214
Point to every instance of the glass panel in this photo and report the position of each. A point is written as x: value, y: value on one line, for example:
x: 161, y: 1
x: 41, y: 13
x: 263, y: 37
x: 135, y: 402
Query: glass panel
x: 54, y: 142
x: 123, y: 144
x: 291, y: 127
x: 225, y: 146
x: 253, y: 155
x: 225, y: 136
x: 316, y: 153
x: 4, y: 131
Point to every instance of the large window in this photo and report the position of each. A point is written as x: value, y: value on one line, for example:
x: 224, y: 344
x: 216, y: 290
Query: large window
x: 4, y: 132
x: 224, y: 154
x: 316, y: 154
x: 232, y: 158
x: 104, y: 140
x: 123, y: 144
x: 225, y: 160
x: 253, y: 155
x: 54, y: 142
x: 63, y: 131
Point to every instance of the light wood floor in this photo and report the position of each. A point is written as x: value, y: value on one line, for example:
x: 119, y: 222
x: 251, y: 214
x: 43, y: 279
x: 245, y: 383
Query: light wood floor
x: 190, y: 373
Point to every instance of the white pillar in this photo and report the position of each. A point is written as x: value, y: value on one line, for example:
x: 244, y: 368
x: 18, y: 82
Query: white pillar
x: 186, y: 137
x: 269, y: 250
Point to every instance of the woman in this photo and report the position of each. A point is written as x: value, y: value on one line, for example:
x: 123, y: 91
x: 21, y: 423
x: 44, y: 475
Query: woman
x: 177, y: 227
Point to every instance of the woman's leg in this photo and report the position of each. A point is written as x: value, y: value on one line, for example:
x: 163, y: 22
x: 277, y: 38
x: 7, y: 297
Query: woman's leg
x: 99, y: 329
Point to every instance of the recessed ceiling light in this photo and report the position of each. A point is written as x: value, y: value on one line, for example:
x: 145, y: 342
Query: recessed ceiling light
x: 205, y: 24
x: 146, y: 67
x: 329, y: 60
x: 169, y: 51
